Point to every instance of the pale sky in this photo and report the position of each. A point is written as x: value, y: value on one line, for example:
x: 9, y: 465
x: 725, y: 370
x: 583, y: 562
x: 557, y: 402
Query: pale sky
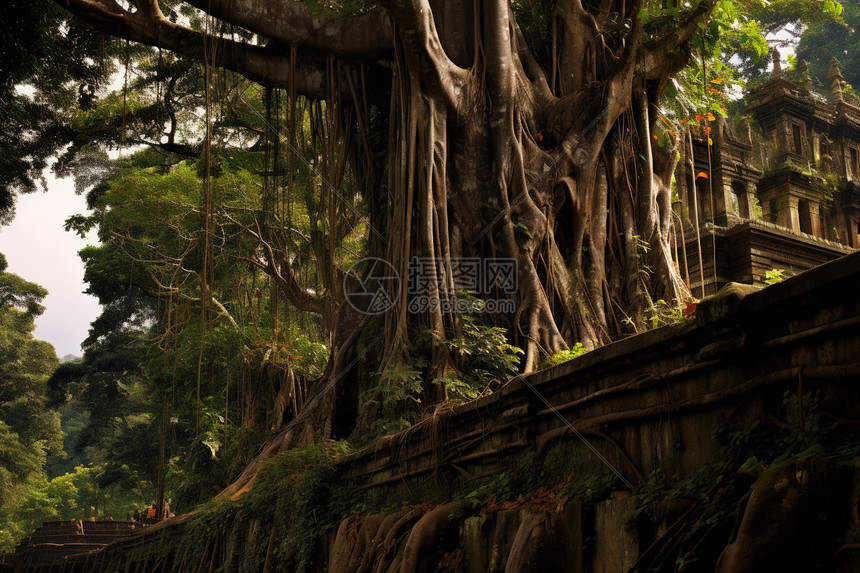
x: 39, y: 250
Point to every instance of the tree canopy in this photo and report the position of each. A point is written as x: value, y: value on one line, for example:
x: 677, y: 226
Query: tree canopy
x: 833, y: 38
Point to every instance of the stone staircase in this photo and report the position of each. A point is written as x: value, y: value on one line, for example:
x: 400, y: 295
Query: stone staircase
x: 56, y: 547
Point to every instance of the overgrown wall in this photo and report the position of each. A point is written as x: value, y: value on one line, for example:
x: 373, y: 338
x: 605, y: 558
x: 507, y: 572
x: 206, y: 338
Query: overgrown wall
x: 734, y: 433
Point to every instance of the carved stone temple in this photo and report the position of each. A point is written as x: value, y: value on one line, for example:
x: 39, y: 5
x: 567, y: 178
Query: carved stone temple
x: 784, y: 185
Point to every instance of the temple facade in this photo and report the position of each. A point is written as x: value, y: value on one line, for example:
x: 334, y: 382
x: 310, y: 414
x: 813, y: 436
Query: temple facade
x: 778, y: 188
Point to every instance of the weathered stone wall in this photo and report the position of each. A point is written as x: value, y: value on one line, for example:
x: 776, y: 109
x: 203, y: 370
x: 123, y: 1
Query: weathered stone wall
x: 651, y: 401
x: 645, y: 404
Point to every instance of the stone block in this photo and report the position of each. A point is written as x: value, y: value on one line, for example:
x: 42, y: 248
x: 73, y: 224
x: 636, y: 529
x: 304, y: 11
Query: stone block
x: 616, y: 541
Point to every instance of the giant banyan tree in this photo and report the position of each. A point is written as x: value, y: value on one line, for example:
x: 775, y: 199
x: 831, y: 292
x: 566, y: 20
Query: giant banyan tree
x: 474, y: 130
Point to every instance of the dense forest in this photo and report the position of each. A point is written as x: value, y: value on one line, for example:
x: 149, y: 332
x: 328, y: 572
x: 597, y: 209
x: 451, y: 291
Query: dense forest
x: 279, y: 188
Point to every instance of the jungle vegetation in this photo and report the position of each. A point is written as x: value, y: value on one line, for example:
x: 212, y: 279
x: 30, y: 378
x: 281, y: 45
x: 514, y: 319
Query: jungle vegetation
x: 246, y: 161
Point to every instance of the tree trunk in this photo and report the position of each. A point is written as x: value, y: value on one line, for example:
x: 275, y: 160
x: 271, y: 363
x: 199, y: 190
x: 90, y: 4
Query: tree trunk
x: 494, y: 154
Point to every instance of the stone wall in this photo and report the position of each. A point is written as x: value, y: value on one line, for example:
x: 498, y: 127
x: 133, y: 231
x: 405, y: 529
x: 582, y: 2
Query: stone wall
x: 651, y: 401
x: 642, y: 405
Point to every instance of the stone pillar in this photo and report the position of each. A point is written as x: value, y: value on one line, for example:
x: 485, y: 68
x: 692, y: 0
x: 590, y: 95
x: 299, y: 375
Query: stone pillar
x: 806, y: 80
x: 477, y: 544
x: 788, y: 213
x: 834, y: 81
x: 747, y: 209
x: 851, y: 235
x: 783, y: 138
x: 777, y: 63
x: 815, y: 219
x: 616, y: 547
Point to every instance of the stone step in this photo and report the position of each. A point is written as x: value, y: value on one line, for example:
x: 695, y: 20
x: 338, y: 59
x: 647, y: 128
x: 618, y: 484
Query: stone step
x: 57, y: 540
x: 73, y: 538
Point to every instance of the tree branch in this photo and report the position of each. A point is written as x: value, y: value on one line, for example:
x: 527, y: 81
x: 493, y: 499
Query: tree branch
x: 539, y: 84
x: 417, y: 31
x: 262, y: 65
x: 165, y: 290
x: 283, y: 272
x: 657, y: 56
x: 356, y: 37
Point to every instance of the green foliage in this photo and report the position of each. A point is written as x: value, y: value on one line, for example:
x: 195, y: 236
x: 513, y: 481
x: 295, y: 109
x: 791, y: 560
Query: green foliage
x: 831, y: 38
x: 703, y: 89
x: 563, y: 356
x: 53, y: 64
x: 483, y: 360
x: 299, y: 492
x: 29, y: 430
x: 487, y: 359
x: 70, y: 496
x: 661, y: 313
x: 150, y: 340
x: 399, y: 389
x: 774, y: 276
x: 758, y: 212
x: 777, y: 14
x: 533, y: 19
x: 18, y: 293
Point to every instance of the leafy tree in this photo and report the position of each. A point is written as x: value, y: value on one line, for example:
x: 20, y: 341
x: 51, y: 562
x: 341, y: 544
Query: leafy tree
x: 230, y: 376
x: 69, y: 496
x: 833, y: 39
x: 51, y: 64
x: 28, y: 428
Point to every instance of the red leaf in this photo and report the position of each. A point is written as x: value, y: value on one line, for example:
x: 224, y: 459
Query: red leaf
x: 689, y: 309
